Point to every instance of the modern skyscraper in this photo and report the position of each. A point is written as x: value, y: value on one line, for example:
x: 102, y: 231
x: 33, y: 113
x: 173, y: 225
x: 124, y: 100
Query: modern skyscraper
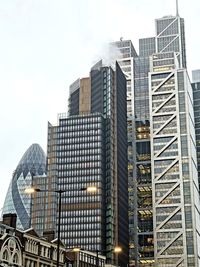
x: 173, y: 157
x: 147, y: 46
x: 40, y: 207
x: 89, y: 148
x: 195, y: 76
x: 174, y: 166
x: 17, y: 201
x: 125, y: 57
x: 170, y: 36
x: 136, y: 69
x: 143, y: 214
x: 196, y: 103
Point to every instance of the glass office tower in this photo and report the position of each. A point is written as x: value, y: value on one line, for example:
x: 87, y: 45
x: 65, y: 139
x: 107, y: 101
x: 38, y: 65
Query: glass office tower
x: 144, y: 249
x: 196, y: 97
x: 195, y: 76
x: 126, y: 54
x: 136, y: 69
x: 89, y: 148
x: 17, y: 201
x: 175, y: 185
x: 170, y: 36
x: 80, y: 154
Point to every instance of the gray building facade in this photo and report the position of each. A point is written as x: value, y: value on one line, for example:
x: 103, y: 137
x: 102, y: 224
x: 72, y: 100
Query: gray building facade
x: 196, y: 97
x: 175, y: 188
x: 170, y: 36
x: 89, y: 148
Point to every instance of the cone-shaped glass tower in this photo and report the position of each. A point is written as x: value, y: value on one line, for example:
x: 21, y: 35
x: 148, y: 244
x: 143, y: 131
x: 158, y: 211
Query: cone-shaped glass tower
x: 17, y: 201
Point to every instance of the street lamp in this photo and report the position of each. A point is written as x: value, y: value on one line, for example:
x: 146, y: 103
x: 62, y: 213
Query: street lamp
x: 116, y: 250
x: 31, y: 190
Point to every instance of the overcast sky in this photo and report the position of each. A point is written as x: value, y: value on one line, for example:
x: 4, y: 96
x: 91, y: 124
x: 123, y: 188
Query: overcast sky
x: 47, y: 44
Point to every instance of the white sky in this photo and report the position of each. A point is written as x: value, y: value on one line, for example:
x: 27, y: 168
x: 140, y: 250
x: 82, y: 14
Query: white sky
x: 47, y: 44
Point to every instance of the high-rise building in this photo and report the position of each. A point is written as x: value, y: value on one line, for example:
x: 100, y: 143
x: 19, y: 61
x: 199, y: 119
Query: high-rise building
x: 174, y: 166
x: 125, y: 57
x: 195, y: 76
x: 173, y: 152
x: 89, y: 148
x: 136, y: 70
x: 40, y: 207
x: 170, y: 36
x: 17, y: 201
x: 143, y: 214
x: 196, y: 103
x: 147, y: 46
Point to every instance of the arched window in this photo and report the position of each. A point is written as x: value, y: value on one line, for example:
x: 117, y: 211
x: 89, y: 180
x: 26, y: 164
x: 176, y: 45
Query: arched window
x: 5, y: 255
x: 16, y: 259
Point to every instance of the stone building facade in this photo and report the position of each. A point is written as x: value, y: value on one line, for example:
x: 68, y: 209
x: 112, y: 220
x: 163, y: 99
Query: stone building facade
x: 21, y: 248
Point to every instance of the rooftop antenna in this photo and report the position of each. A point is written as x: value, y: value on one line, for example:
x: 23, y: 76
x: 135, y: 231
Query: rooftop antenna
x: 177, y: 12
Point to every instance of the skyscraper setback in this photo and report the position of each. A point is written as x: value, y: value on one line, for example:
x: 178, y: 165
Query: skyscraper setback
x: 90, y: 149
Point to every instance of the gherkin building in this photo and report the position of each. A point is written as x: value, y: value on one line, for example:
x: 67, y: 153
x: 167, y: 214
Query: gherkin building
x: 33, y: 163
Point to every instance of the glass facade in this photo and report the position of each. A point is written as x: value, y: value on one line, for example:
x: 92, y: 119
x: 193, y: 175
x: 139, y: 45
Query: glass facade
x: 136, y: 70
x: 147, y: 46
x: 174, y: 167
x: 126, y: 57
x: 79, y: 159
x: 170, y: 37
x: 39, y: 205
x: 196, y: 96
x: 89, y: 148
x: 143, y: 213
x: 196, y: 76
x: 17, y: 201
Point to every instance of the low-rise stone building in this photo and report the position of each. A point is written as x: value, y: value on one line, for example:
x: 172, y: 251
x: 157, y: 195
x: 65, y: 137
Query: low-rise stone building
x: 24, y: 248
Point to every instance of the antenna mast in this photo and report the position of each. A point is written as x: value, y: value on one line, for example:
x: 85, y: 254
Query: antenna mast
x: 177, y: 12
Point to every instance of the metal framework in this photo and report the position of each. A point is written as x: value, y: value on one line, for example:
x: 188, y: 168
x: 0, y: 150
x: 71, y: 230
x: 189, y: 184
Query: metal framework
x: 166, y: 171
x: 174, y: 186
x: 170, y: 37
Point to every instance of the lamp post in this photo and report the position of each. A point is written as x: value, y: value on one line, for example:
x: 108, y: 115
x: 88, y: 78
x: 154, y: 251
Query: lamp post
x: 97, y: 258
x: 116, y: 250
x: 59, y: 217
x: 33, y: 190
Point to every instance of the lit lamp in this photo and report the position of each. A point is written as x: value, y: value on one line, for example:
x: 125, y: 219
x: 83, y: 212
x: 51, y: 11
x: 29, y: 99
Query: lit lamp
x: 76, y: 258
x: 116, y: 250
x: 89, y: 189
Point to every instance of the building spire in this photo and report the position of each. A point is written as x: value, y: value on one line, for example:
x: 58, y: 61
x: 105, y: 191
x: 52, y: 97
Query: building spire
x: 177, y: 11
